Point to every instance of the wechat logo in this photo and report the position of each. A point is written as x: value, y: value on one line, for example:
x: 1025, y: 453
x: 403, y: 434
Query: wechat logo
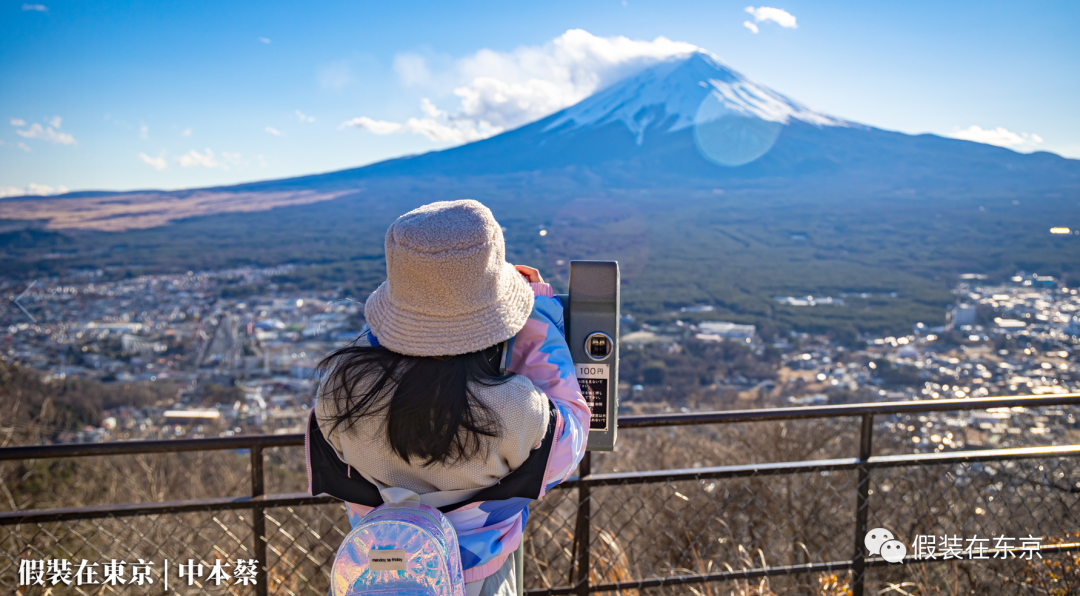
x: 880, y: 541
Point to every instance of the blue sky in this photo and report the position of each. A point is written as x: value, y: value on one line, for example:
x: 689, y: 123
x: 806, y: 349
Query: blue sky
x: 169, y: 95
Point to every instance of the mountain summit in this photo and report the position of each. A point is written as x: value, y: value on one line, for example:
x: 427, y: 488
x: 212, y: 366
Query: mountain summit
x: 692, y: 122
x: 682, y: 93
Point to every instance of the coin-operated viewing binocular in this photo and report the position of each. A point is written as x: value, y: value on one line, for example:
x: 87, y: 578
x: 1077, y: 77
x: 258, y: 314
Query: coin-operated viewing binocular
x: 591, y: 315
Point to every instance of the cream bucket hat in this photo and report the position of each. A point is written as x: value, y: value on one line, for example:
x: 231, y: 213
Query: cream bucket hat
x: 449, y: 289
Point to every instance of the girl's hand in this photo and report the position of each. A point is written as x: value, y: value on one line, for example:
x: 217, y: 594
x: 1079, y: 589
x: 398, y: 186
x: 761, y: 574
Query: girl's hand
x: 530, y: 274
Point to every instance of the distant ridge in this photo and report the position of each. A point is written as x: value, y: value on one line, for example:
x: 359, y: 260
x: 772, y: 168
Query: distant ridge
x: 688, y: 122
x: 693, y: 122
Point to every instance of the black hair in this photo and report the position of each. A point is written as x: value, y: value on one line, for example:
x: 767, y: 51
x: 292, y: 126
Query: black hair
x: 431, y: 411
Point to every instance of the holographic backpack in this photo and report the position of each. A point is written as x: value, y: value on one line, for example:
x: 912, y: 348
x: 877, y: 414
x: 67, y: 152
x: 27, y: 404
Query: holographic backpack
x: 406, y: 549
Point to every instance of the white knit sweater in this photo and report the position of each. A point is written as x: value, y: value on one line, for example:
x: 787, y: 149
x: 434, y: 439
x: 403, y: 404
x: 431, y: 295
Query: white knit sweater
x: 523, y: 414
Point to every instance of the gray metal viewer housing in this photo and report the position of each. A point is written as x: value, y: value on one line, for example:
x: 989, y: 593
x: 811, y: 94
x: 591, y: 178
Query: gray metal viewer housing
x: 591, y: 315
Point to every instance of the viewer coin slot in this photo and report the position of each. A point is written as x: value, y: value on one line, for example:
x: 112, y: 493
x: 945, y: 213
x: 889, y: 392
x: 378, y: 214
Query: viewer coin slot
x: 598, y: 346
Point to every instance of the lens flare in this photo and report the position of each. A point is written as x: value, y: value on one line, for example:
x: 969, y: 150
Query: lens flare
x: 730, y: 138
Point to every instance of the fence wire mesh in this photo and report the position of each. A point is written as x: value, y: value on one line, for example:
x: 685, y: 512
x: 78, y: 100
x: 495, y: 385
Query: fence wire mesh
x: 301, y: 542
x: 963, y: 512
x: 654, y: 532
x: 150, y: 539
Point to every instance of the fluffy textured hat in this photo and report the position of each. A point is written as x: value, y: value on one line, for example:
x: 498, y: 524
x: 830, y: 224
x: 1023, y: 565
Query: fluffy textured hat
x: 449, y: 289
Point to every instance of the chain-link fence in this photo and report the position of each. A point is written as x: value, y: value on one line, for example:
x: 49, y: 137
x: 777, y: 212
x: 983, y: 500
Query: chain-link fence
x: 300, y: 546
x: 786, y: 527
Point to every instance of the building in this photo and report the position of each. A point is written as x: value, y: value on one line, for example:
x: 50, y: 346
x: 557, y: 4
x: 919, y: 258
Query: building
x: 720, y: 330
x: 960, y: 315
x: 192, y: 415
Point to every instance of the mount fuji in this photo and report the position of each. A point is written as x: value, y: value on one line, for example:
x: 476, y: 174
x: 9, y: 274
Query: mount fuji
x: 693, y: 122
x: 673, y: 94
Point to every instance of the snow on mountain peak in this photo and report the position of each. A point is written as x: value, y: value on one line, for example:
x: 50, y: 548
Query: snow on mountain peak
x: 680, y: 87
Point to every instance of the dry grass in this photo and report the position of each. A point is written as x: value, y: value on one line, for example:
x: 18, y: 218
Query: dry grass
x: 115, y: 213
x: 300, y: 542
x: 638, y: 531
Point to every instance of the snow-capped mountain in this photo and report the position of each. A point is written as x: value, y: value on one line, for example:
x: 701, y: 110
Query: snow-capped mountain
x: 728, y: 179
x: 693, y: 122
x: 708, y: 187
x: 681, y: 93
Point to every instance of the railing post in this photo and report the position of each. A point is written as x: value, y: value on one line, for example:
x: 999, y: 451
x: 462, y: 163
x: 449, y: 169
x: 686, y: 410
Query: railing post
x: 581, y: 532
x: 258, y: 520
x: 862, y: 506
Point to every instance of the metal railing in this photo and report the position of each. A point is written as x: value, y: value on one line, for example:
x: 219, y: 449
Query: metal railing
x: 612, y: 537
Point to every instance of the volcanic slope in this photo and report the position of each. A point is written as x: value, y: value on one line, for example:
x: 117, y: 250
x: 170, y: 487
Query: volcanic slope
x: 708, y: 187
x: 694, y: 122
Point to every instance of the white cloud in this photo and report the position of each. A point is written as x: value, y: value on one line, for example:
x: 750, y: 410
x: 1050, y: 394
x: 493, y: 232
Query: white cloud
x: 120, y: 123
x: 503, y: 90
x: 411, y: 69
x: 18, y: 122
x: 437, y: 126
x: 55, y: 121
x: 194, y: 159
x: 158, y: 163
x: 31, y: 189
x: 264, y: 39
x: 261, y: 160
x: 998, y: 136
x: 186, y: 133
x: 304, y: 117
x: 379, y: 127
x: 42, y: 189
x: 335, y: 75
x: 274, y: 131
x: 779, y: 16
x: 25, y: 147
x: 752, y: 27
x: 47, y: 133
x: 36, y: 7
x: 144, y: 131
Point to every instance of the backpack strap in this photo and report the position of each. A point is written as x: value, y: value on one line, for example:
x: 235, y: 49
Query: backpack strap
x: 328, y: 475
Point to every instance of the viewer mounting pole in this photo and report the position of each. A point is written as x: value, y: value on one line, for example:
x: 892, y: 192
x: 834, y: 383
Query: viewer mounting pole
x: 581, y: 532
x: 862, y: 505
x: 258, y: 521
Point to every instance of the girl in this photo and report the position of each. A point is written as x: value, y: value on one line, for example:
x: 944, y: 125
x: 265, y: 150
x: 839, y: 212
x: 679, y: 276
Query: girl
x: 460, y: 394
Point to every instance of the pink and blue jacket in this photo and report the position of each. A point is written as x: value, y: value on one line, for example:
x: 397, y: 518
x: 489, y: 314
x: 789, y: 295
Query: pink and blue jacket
x: 490, y: 524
